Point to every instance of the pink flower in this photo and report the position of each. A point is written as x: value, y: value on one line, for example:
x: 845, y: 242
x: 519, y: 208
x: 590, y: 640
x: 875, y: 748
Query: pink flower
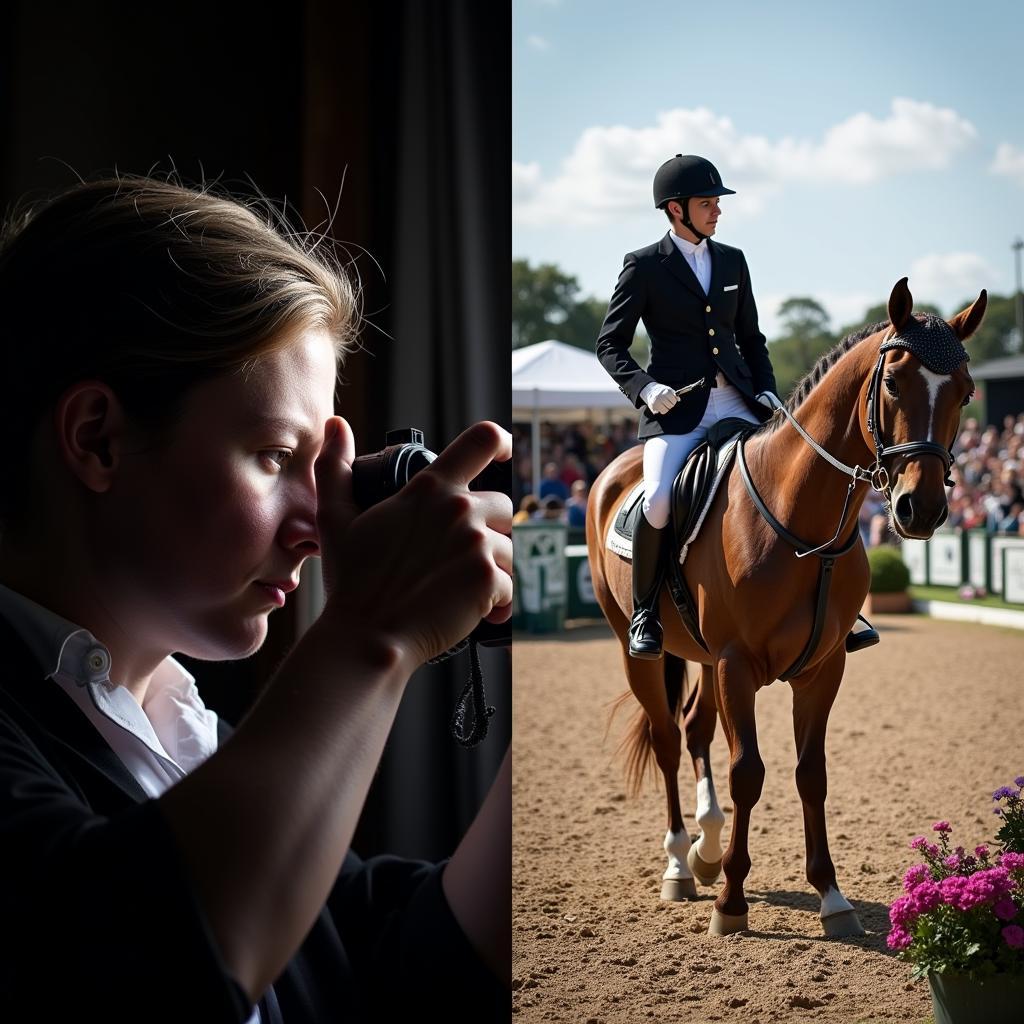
x: 918, y: 843
x: 952, y: 861
x: 900, y: 938
x: 1014, y: 936
x: 1005, y: 909
x: 942, y: 826
x: 981, y: 851
x: 1012, y: 861
x: 927, y: 896
x: 915, y: 876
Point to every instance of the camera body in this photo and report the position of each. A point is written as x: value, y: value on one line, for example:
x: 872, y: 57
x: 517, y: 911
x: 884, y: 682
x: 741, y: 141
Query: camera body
x: 381, y: 474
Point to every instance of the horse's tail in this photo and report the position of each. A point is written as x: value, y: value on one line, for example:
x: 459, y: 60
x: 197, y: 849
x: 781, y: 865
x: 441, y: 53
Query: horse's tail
x: 637, y: 746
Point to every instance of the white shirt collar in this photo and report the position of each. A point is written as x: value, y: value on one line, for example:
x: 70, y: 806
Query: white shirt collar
x: 172, y: 722
x: 689, y: 248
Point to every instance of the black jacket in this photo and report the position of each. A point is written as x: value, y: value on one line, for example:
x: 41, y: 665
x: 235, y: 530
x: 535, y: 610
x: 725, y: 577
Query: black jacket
x: 100, y: 921
x: 693, y: 335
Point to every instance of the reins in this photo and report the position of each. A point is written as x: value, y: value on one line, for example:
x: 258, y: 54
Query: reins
x: 876, y: 474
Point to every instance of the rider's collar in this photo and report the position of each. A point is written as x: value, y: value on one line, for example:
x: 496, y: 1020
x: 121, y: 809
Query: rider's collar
x: 932, y: 340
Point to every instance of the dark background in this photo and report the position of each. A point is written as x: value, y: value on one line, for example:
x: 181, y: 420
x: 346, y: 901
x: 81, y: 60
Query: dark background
x: 409, y: 104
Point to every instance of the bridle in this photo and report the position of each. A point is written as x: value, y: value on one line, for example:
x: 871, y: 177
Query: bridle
x: 876, y: 474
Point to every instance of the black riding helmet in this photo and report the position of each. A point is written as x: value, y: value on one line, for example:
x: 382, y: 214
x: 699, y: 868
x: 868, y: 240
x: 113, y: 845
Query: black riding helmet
x: 684, y: 178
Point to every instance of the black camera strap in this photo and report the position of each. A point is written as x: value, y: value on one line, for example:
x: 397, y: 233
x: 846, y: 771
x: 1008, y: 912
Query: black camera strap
x: 474, y: 689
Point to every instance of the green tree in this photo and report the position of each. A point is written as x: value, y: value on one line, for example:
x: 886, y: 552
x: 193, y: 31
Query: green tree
x: 545, y: 304
x: 543, y: 300
x: 805, y: 337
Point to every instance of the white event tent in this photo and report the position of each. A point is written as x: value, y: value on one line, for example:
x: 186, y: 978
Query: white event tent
x: 560, y: 381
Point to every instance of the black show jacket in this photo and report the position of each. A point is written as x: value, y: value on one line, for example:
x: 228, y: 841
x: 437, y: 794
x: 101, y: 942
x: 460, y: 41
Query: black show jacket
x: 693, y: 335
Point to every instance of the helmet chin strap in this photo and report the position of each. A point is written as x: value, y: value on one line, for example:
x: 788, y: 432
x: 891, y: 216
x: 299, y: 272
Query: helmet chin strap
x: 685, y: 204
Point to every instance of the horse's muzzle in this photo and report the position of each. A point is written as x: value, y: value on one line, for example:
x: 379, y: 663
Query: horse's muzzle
x: 917, y: 518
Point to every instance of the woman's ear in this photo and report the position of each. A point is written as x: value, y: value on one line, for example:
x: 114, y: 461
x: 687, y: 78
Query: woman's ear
x: 89, y: 427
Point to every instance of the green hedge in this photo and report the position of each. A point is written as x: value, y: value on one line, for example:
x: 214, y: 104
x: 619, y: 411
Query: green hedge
x: 888, y: 573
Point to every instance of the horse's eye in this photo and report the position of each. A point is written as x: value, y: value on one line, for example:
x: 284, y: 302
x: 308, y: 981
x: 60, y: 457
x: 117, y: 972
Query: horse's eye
x: 890, y: 386
x: 967, y: 400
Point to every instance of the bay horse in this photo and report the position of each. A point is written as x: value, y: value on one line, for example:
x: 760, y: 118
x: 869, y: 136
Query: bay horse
x: 870, y: 402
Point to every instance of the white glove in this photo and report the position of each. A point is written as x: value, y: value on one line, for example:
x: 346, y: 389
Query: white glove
x: 769, y: 399
x: 658, y: 398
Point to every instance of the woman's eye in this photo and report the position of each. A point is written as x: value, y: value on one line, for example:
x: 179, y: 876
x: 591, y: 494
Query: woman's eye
x: 279, y: 456
x: 890, y: 386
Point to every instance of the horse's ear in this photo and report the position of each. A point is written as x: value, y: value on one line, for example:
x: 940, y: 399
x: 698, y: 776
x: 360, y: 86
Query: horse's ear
x: 901, y: 304
x: 967, y: 321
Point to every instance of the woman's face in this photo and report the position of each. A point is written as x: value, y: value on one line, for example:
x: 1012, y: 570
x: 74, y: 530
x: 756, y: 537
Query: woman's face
x: 229, y: 501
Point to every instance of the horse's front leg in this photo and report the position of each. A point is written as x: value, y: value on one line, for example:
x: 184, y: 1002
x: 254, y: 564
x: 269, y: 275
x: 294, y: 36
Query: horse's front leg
x: 813, y: 696
x: 736, y: 682
x: 705, y: 856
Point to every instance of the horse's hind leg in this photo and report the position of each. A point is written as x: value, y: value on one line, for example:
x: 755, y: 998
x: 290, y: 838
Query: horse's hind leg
x: 705, y: 856
x: 657, y: 685
x: 813, y: 696
x: 736, y: 684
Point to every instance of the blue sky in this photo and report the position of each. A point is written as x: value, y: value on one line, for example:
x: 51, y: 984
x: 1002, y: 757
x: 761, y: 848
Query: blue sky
x: 866, y: 141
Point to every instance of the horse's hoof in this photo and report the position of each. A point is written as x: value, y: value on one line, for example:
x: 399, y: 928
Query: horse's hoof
x: 842, y: 925
x: 678, y: 890
x: 726, y: 924
x: 705, y: 873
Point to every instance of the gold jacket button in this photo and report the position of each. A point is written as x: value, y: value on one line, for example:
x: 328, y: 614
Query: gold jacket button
x: 714, y: 351
x: 711, y: 331
x: 707, y: 309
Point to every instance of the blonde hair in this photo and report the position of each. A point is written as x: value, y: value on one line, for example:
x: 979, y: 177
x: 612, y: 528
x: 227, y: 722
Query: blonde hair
x: 153, y: 287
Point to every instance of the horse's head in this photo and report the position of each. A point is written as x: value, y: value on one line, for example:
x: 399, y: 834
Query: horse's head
x: 917, y: 392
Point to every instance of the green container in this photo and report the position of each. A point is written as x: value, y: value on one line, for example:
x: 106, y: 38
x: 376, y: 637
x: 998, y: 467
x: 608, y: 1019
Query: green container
x: 582, y: 603
x: 956, y: 999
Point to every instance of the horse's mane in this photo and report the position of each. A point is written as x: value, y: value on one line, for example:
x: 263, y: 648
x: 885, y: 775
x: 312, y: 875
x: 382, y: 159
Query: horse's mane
x: 810, y: 380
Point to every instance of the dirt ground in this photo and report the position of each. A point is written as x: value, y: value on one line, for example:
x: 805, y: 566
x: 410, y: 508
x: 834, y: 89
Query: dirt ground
x: 925, y: 726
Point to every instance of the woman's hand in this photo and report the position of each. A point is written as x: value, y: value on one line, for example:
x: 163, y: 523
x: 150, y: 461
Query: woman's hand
x: 421, y: 568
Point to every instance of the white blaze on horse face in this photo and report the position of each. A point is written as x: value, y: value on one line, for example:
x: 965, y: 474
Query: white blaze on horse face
x: 933, y: 381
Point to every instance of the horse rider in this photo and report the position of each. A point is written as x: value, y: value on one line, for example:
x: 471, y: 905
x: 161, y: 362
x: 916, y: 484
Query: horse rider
x: 708, y: 361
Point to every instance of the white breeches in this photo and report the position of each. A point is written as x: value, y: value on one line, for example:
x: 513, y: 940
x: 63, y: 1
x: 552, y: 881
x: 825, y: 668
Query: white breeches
x: 664, y: 455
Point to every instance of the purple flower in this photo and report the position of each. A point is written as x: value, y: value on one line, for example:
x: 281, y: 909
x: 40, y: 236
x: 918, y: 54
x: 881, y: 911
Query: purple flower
x: 981, y: 851
x: 1019, y: 781
x: 902, y: 912
x: 1005, y: 909
x: 952, y: 861
x: 1004, y: 791
x: 900, y: 938
x: 931, y: 850
x: 915, y: 876
x: 1014, y: 936
x: 1011, y: 861
x: 918, y: 843
x: 927, y: 896
x: 942, y: 826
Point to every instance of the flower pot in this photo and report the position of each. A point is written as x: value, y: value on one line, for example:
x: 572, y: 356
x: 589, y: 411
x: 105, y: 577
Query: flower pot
x: 883, y: 603
x: 956, y: 999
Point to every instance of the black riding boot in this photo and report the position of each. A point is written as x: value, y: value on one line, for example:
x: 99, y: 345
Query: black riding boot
x: 862, y: 635
x: 648, y: 572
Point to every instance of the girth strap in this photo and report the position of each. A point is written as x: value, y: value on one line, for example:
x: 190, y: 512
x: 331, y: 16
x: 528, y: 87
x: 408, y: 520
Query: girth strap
x: 828, y: 560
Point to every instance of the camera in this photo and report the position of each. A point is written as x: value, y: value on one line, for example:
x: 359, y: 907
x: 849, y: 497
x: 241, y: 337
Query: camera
x: 382, y: 474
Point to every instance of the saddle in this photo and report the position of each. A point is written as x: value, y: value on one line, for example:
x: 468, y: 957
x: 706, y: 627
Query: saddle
x: 693, y: 490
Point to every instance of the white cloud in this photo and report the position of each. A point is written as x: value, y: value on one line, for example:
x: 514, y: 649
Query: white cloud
x: 947, y: 278
x: 538, y: 42
x: 610, y: 170
x: 1009, y: 162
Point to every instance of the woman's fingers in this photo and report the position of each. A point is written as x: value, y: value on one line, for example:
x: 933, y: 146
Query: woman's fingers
x: 471, y: 452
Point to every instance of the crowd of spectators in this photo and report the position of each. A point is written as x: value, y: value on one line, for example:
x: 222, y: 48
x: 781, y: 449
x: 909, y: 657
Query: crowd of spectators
x: 987, y: 492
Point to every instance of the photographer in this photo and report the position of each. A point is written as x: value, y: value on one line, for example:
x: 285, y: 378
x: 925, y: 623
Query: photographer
x: 174, y: 457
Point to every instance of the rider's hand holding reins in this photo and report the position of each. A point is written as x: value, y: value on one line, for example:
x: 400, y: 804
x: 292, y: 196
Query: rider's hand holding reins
x: 658, y: 398
x: 420, y: 569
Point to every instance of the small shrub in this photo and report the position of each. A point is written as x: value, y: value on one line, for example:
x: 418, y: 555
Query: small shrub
x: 888, y: 573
